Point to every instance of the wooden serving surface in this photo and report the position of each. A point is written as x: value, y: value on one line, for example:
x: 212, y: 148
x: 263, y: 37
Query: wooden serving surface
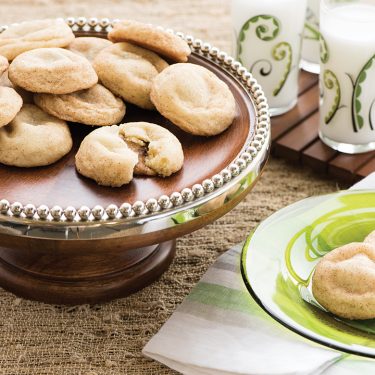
x: 60, y: 184
x: 295, y: 138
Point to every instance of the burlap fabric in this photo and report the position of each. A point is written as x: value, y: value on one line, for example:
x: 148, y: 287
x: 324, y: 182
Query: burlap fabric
x: 38, y: 339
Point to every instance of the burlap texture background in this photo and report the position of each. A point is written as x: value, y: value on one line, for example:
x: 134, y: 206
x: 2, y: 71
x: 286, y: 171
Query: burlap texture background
x: 37, y: 339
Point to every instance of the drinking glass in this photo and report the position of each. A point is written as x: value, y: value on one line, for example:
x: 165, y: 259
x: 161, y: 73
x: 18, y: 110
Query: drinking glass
x: 347, y: 110
x: 268, y: 35
x: 311, y: 34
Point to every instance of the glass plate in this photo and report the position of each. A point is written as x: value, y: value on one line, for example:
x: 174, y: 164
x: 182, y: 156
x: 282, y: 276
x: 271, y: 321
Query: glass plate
x: 278, y: 261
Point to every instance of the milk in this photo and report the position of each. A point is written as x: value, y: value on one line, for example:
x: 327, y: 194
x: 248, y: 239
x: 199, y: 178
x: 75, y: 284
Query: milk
x: 347, y: 113
x: 270, y: 46
x: 310, y: 45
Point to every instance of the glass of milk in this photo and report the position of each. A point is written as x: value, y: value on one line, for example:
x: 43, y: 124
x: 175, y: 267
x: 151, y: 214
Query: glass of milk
x: 347, y: 111
x: 311, y: 34
x: 268, y: 43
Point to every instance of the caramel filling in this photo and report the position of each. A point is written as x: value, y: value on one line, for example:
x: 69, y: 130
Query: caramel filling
x: 141, y: 149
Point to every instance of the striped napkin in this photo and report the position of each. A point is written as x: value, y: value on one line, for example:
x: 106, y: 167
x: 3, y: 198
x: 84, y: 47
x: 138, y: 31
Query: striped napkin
x: 219, y: 329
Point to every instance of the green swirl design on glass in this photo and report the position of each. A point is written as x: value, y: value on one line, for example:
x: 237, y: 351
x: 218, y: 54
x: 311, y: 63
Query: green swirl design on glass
x: 311, y: 32
x: 267, y: 28
x: 324, y: 52
x: 357, y: 108
x: 281, y: 52
x: 332, y: 83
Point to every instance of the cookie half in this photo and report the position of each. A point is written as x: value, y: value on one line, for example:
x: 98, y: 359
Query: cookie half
x: 112, y: 155
x: 151, y: 37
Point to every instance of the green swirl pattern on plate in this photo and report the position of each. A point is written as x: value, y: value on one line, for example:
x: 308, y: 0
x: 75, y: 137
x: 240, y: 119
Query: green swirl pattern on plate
x: 332, y: 83
x: 280, y: 257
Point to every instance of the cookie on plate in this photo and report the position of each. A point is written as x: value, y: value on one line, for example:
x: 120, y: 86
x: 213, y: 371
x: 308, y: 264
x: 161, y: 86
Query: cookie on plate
x: 194, y: 99
x: 52, y: 71
x: 88, y: 47
x: 128, y: 71
x: 10, y: 105
x: 151, y: 37
x: 29, y: 35
x: 93, y: 106
x: 34, y: 139
x: 4, y: 64
x: 112, y: 155
x: 344, y: 279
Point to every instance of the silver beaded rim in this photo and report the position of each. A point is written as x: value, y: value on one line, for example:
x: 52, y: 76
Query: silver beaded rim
x: 255, y: 144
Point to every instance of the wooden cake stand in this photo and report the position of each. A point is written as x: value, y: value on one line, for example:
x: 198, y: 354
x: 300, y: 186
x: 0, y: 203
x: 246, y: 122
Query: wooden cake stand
x: 66, y: 240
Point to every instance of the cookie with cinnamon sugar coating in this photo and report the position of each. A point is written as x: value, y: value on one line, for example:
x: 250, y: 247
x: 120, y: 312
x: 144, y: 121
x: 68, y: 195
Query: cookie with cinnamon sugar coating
x: 94, y: 106
x: 344, y: 281
x: 29, y: 35
x: 194, y: 99
x: 151, y: 37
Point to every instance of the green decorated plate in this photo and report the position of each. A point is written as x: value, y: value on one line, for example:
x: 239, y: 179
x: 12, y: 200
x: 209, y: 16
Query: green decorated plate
x: 278, y: 261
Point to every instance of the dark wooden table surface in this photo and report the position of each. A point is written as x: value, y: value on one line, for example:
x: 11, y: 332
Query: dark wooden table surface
x: 295, y: 138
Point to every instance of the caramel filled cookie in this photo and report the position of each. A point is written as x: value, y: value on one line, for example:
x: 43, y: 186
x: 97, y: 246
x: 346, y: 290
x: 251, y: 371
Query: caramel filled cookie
x: 30, y: 35
x: 112, y: 155
x: 194, y: 99
x: 3, y: 64
x: 159, y: 151
x: 153, y: 38
x: 88, y: 47
x: 93, y: 106
x: 10, y: 105
x: 52, y: 71
x: 344, y: 281
x: 128, y: 71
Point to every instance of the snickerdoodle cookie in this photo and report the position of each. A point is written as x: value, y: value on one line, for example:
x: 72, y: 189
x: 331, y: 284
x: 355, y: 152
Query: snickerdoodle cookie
x: 344, y: 281
x: 52, y: 71
x: 151, y: 37
x: 4, y: 64
x: 93, y: 106
x: 30, y: 35
x: 194, y: 99
x: 10, y: 105
x: 88, y: 47
x: 34, y: 138
x: 128, y: 71
x: 111, y: 155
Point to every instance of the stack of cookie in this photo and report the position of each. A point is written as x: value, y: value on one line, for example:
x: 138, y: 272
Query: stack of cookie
x: 54, y: 77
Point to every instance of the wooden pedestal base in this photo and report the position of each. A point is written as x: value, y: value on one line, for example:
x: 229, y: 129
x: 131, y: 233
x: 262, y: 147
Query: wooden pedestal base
x: 59, y: 278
